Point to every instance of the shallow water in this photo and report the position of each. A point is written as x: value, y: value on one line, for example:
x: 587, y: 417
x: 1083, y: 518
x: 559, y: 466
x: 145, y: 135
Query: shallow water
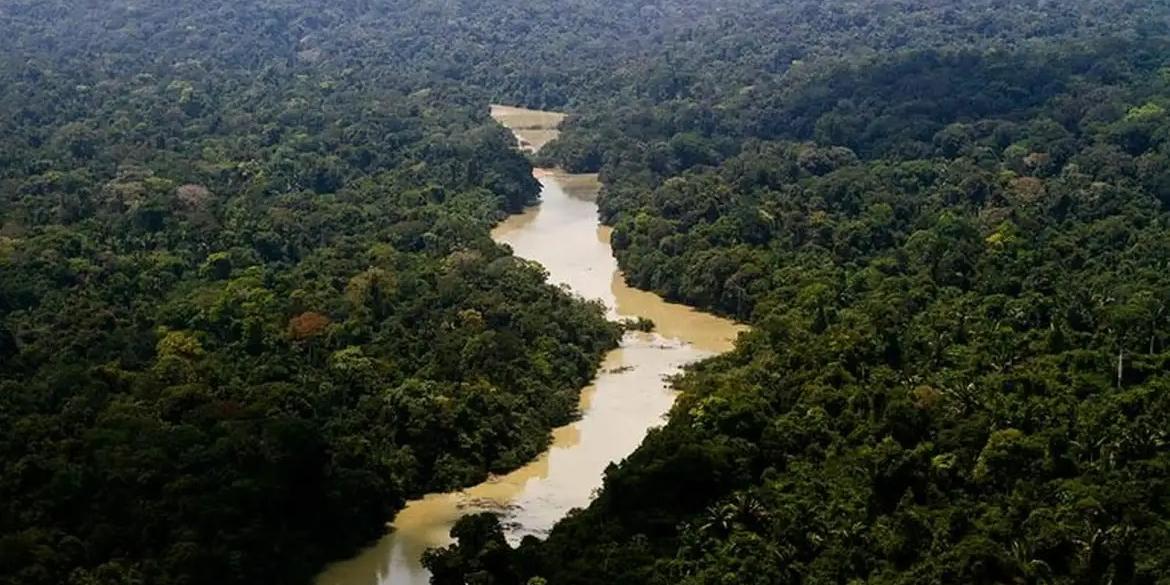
x: 629, y: 396
x: 533, y: 128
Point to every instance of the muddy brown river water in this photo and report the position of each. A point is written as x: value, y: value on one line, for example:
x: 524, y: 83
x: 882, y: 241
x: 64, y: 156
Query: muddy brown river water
x: 629, y: 396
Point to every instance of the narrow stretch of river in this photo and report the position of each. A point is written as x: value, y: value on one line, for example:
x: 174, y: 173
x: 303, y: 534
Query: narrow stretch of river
x: 629, y: 396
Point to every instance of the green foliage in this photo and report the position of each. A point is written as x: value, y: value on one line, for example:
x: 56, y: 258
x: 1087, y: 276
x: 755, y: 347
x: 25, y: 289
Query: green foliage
x: 953, y: 257
x: 248, y: 304
x: 639, y: 324
x: 248, y: 301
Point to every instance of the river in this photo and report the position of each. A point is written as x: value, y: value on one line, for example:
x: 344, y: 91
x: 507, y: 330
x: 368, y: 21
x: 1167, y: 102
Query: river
x: 629, y: 396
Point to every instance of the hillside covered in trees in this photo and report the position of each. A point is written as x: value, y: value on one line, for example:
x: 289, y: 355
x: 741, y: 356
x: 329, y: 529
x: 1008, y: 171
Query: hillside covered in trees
x: 959, y: 367
x: 954, y: 256
x: 248, y: 303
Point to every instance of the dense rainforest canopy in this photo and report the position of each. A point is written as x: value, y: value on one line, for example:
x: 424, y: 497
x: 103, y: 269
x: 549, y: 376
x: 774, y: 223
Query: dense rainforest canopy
x: 955, y: 255
x: 959, y: 368
x: 248, y: 303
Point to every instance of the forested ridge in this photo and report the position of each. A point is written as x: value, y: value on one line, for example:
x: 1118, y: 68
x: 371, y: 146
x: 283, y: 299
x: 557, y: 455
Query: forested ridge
x: 248, y: 303
x: 957, y: 373
x: 954, y: 256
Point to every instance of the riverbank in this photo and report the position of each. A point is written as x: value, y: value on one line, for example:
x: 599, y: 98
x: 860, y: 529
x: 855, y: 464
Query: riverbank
x: 629, y: 396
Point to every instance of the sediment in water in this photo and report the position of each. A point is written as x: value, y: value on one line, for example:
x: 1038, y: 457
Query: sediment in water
x: 629, y: 396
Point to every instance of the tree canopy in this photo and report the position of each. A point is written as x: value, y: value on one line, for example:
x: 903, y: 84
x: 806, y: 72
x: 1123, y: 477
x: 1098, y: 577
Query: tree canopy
x: 248, y: 302
x: 953, y: 255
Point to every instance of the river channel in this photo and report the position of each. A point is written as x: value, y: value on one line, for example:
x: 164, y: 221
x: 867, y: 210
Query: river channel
x: 629, y: 396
